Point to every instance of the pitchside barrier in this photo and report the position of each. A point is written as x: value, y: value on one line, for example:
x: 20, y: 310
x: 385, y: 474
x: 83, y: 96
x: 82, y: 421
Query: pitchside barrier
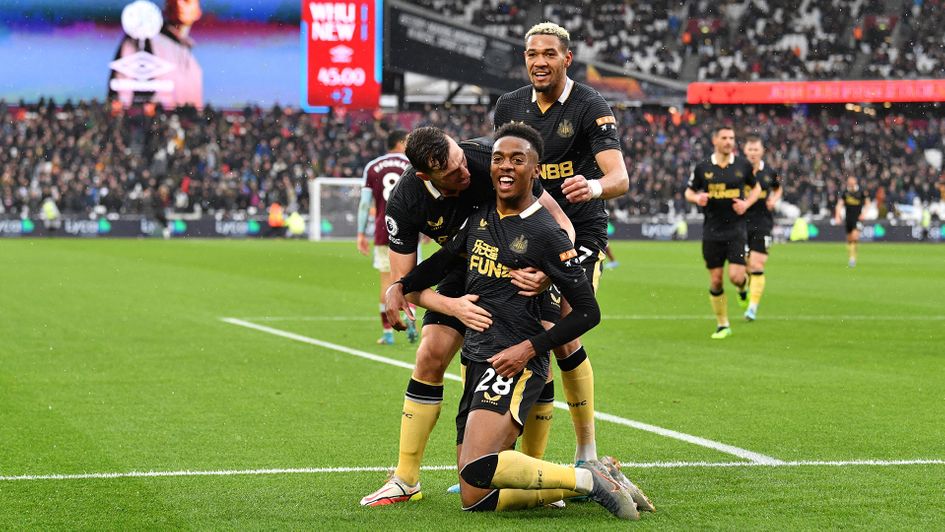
x: 337, y: 226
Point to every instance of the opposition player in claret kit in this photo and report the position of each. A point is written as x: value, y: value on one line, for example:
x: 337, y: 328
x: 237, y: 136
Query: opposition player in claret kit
x: 446, y: 183
x: 760, y: 222
x: 582, y: 165
x: 718, y: 185
x: 380, y: 176
x: 506, y: 366
x: 850, y: 206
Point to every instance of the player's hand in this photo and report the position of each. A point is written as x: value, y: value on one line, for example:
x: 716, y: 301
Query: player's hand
x: 532, y: 281
x: 395, y: 301
x: 363, y: 246
x: 739, y: 206
x: 702, y: 199
x: 472, y: 315
x: 511, y: 361
x: 576, y: 189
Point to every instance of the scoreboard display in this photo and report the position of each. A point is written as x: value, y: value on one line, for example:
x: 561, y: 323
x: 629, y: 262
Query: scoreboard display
x: 341, y: 54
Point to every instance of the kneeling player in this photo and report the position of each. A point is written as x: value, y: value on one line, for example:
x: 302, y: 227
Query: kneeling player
x: 506, y: 366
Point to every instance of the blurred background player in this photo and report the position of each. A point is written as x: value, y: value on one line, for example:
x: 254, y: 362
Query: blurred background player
x: 582, y: 166
x: 718, y: 185
x: 760, y: 222
x: 850, y: 206
x: 380, y: 176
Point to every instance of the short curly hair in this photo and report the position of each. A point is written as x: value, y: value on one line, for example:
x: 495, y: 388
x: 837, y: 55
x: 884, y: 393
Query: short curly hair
x: 550, y: 28
x: 525, y: 132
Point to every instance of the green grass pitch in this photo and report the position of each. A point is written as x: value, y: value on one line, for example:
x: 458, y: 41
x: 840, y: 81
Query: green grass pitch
x: 113, y: 359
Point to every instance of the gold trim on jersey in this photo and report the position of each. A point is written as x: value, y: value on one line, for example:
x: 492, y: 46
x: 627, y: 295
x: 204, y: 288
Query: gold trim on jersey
x: 568, y: 86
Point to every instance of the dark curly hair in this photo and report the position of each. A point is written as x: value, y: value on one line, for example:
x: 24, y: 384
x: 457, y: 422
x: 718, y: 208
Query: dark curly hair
x: 524, y: 132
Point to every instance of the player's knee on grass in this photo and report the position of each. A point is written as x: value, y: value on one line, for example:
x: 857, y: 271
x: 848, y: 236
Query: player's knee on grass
x: 487, y: 503
x: 478, y: 473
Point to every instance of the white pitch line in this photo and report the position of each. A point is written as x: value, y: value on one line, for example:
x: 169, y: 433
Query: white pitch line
x: 646, y: 317
x: 379, y: 469
x: 688, y: 438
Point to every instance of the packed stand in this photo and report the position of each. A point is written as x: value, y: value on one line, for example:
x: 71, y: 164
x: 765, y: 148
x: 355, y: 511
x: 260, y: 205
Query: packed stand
x: 814, y: 154
x: 641, y: 35
x: 773, y: 39
x: 921, y: 48
x: 93, y: 160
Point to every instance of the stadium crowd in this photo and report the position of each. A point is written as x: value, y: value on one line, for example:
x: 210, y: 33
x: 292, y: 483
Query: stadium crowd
x: 91, y: 158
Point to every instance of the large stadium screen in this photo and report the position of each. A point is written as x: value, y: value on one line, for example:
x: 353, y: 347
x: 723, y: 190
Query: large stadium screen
x: 341, y: 43
x: 226, y: 53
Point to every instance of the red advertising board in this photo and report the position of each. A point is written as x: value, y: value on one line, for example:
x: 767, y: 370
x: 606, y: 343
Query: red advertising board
x: 780, y: 92
x: 341, y: 54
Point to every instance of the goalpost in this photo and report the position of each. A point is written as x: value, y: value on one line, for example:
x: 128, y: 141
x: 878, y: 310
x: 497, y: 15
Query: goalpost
x: 333, y: 207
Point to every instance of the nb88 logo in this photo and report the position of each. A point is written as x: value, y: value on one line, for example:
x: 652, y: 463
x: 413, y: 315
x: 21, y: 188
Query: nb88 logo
x: 557, y: 170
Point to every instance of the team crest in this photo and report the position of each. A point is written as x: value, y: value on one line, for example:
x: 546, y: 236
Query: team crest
x: 483, y: 223
x: 738, y: 175
x: 437, y: 224
x: 391, y: 226
x: 565, y: 129
x: 519, y: 245
x: 709, y: 175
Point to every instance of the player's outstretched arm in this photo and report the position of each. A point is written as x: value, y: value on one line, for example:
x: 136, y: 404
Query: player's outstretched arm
x: 364, y: 207
x: 429, y: 273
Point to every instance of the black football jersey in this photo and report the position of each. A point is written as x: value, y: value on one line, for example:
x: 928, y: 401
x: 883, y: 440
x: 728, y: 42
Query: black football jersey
x: 575, y: 128
x: 494, y: 244
x: 853, y: 200
x: 723, y: 185
x: 758, y: 217
x: 415, y: 206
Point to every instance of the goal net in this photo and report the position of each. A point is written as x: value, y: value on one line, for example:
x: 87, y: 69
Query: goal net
x: 333, y: 207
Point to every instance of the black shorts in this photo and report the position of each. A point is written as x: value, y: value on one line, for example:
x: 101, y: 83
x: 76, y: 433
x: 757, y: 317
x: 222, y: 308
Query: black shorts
x: 716, y: 252
x: 592, y: 258
x: 453, y: 285
x: 484, y: 389
x: 852, y: 225
x: 759, y: 241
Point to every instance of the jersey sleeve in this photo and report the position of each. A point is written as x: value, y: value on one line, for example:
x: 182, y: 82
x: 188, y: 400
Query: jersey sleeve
x: 600, y: 126
x: 403, y: 232
x: 560, y: 262
x: 697, y: 179
x: 775, y: 180
x: 749, y: 171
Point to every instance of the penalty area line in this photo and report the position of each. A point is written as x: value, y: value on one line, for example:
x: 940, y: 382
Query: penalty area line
x: 744, y: 454
x: 380, y: 469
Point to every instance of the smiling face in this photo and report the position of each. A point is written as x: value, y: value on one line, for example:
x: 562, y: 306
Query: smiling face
x: 514, y: 165
x: 547, y: 62
x: 452, y: 178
